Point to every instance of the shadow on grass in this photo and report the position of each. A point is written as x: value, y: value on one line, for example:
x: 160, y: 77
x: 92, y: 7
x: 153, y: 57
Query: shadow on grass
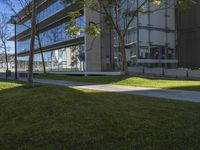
x: 57, y: 117
x: 91, y: 79
x: 107, y: 79
x: 186, y: 88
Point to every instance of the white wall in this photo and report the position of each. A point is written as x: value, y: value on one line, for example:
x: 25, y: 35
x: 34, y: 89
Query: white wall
x: 158, y: 22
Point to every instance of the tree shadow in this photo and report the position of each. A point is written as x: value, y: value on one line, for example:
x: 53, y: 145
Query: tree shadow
x: 195, y: 88
x: 126, y: 80
x: 58, y: 117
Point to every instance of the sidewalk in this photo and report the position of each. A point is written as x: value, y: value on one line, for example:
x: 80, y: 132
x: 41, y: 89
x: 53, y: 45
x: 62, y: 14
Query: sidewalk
x: 181, y: 95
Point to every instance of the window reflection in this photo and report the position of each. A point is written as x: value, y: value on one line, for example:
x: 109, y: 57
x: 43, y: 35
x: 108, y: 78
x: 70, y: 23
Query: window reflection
x: 64, y: 59
x: 56, y: 6
x: 51, y: 36
x: 52, y: 9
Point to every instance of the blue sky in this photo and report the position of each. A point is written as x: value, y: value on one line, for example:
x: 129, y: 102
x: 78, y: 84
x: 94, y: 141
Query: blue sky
x: 6, y: 10
x: 3, y: 8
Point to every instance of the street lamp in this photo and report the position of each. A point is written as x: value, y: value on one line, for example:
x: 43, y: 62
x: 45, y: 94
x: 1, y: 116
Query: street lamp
x: 14, y: 21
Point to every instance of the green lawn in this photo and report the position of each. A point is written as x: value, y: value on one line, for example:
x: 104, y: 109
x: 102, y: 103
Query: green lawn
x: 6, y: 85
x: 60, y: 118
x: 131, y: 81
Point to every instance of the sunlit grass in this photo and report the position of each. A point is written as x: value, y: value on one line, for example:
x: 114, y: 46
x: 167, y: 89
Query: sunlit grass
x: 5, y: 85
x: 56, y: 117
x: 130, y: 81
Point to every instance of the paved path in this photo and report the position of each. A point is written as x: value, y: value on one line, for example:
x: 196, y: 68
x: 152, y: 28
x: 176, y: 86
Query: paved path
x: 152, y: 92
x: 181, y: 95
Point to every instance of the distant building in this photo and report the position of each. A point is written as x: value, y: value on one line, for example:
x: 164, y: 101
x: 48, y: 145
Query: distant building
x: 188, y: 37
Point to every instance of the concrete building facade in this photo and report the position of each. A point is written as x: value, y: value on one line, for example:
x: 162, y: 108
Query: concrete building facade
x: 151, y: 40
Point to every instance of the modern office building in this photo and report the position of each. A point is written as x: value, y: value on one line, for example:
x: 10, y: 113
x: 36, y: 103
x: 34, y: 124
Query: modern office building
x: 150, y: 40
x: 188, y: 29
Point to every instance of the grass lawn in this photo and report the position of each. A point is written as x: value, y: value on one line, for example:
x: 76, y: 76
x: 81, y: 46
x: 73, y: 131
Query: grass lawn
x: 130, y: 81
x: 60, y: 118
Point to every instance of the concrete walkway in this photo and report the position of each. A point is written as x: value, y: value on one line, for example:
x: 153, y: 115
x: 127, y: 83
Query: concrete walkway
x: 181, y: 95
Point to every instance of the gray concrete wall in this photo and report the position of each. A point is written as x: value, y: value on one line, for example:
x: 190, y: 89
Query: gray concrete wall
x: 175, y: 73
x: 153, y: 71
x: 2, y: 75
x: 194, y: 74
x: 179, y: 73
x: 136, y: 70
x: 107, y: 53
x: 93, y: 44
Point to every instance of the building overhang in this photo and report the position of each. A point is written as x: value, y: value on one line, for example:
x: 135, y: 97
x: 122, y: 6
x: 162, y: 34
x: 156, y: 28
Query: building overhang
x: 59, y: 45
x: 61, y: 16
x: 26, y: 11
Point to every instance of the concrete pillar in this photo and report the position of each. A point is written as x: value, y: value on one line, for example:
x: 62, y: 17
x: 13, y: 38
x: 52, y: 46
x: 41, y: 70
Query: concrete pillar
x: 92, y: 44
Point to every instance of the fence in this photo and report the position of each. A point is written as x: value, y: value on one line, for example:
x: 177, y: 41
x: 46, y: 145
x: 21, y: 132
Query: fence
x: 176, y: 73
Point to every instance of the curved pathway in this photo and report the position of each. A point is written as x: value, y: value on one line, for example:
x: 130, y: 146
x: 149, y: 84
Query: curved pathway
x: 181, y: 95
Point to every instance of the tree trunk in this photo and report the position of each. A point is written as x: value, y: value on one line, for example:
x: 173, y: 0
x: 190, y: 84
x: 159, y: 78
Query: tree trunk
x: 6, y: 57
x: 41, y: 51
x: 32, y: 46
x: 124, y: 60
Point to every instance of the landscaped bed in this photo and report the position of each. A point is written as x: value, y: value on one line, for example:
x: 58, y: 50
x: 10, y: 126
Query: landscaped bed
x: 55, y: 117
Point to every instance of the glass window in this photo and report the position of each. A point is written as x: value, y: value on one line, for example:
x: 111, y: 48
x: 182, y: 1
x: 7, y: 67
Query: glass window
x: 51, y: 36
x: 52, y: 9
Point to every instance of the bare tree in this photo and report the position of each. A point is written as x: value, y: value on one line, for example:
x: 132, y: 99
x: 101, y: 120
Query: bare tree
x: 4, y: 36
x: 32, y: 45
x: 27, y: 7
